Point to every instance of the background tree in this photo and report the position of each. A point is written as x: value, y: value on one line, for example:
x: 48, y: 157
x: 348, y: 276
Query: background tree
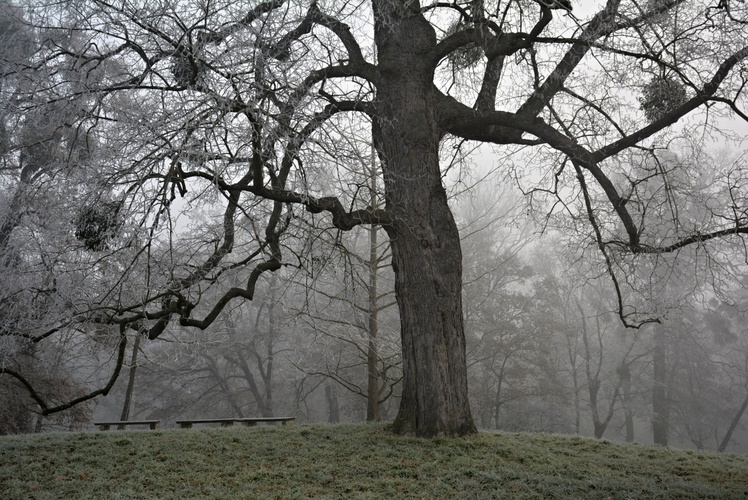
x: 510, y: 363
x: 49, y: 345
x: 350, y: 297
x: 349, y: 311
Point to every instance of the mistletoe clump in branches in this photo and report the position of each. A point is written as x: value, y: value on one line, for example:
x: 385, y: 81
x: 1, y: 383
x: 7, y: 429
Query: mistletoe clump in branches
x: 467, y: 55
x: 97, y: 224
x: 660, y: 96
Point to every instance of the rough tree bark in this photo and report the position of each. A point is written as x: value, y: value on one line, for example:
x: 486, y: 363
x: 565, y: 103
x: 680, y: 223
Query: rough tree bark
x: 426, y: 254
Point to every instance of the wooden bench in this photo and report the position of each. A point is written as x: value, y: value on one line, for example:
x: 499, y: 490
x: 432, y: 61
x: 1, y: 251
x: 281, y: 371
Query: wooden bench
x: 228, y: 422
x: 105, y: 426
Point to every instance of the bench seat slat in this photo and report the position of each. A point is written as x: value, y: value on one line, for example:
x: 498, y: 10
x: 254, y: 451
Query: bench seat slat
x: 104, y: 426
x: 128, y: 422
x: 227, y: 422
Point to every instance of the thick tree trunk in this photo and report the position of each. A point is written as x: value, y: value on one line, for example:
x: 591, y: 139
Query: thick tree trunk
x: 426, y: 254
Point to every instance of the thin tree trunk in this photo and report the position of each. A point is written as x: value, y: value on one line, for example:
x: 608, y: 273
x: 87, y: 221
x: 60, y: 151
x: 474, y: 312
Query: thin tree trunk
x: 497, y: 406
x: 332, y: 404
x: 593, y: 379
x: 130, y: 382
x: 372, y: 358
x: 733, y: 425
x: 262, y: 399
x: 575, y: 381
x: 217, y: 373
x: 267, y: 375
x: 660, y: 406
x: 593, y: 383
x: 39, y: 423
x: 426, y: 253
x: 249, y: 377
x: 625, y: 372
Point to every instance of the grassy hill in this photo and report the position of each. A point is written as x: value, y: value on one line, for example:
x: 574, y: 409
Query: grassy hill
x: 354, y: 461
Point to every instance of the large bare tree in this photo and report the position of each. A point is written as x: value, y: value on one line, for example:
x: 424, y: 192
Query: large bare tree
x: 243, y: 106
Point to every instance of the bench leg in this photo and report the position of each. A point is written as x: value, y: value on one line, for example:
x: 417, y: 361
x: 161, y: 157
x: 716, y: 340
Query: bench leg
x: 155, y: 425
x: 103, y: 427
x: 185, y: 425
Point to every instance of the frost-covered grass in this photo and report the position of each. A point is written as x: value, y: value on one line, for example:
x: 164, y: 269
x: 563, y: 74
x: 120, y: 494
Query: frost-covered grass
x: 354, y: 461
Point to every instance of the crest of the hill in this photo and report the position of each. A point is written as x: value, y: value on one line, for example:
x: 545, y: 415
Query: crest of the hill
x: 354, y: 461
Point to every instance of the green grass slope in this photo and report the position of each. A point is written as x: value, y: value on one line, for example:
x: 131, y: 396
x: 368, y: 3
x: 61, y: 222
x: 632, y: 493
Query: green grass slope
x: 354, y: 461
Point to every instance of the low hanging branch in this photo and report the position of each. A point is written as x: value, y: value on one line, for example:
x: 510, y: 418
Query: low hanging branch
x: 49, y: 410
x: 604, y: 250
